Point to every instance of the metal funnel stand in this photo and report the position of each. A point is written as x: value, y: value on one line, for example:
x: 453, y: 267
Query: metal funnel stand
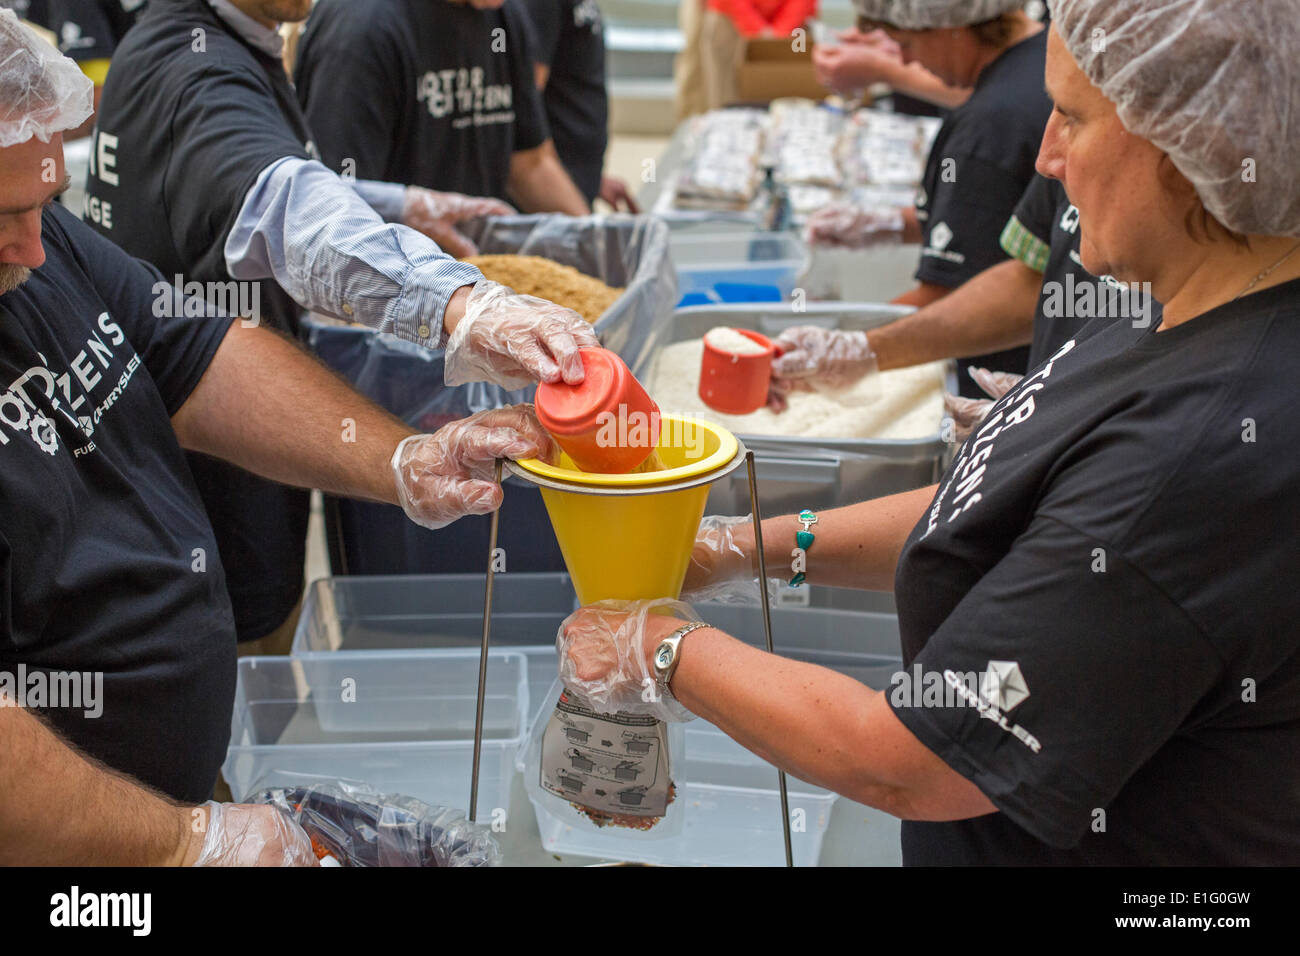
x: 742, y: 455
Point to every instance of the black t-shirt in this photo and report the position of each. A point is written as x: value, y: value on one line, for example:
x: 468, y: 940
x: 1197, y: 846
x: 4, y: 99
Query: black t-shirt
x: 86, y: 29
x: 187, y: 122
x: 1112, y: 560
x: 1044, y: 233
x: 569, y: 37
x: 420, y: 92
x: 107, y: 560
x: 979, y: 167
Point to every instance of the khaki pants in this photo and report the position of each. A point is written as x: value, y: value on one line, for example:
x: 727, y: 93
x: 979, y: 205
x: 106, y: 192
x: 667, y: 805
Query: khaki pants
x: 688, y: 70
x: 723, y: 48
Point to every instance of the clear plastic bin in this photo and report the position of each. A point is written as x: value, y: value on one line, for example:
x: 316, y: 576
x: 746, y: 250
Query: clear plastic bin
x: 402, y: 723
x: 730, y: 796
x: 724, y: 267
x: 409, y: 613
x: 414, y: 611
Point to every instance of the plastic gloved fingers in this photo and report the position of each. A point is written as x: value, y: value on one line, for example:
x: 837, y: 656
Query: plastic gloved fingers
x: 798, y: 362
x: 777, y: 401
x: 452, y: 241
x: 564, y: 346
x: 484, y: 445
x: 994, y: 384
x: 484, y: 206
x: 438, y: 503
x: 535, y: 360
x: 522, y: 418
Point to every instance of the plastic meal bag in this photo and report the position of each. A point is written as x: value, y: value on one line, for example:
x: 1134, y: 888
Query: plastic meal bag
x: 356, y: 826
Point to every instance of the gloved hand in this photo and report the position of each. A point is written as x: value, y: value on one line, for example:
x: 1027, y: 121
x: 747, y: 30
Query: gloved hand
x: 513, y: 340
x: 722, y: 564
x: 849, y: 226
x: 967, y: 413
x: 812, y: 357
x: 435, y: 214
x: 358, y: 826
x: 244, y: 835
x: 605, y: 652
x: 447, y: 475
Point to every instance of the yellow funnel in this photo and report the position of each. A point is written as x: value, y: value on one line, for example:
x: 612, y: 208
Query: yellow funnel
x: 630, y: 536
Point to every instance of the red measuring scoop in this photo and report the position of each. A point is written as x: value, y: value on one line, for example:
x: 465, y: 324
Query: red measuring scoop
x: 737, y: 384
x: 607, y: 424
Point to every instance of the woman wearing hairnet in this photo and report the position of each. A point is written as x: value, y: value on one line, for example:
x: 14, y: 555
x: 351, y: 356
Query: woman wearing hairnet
x: 980, y: 164
x: 1098, y: 602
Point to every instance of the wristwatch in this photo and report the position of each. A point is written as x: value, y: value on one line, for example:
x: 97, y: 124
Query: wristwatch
x: 667, y: 654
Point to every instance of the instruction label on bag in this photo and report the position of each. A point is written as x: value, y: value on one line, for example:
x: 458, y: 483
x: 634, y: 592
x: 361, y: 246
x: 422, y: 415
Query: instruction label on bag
x: 614, y: 763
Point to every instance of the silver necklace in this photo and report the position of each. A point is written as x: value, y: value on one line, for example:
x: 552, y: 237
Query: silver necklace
x: 1267, y: 272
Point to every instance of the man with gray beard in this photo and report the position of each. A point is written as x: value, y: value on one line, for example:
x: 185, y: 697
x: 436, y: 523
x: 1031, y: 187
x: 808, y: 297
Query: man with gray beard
x: 108, y: 562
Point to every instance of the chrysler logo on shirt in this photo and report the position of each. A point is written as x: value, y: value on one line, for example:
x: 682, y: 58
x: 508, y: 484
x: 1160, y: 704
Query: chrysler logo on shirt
x: 1003, y: 685
x: 940, y: 236
x: 1002, y: 688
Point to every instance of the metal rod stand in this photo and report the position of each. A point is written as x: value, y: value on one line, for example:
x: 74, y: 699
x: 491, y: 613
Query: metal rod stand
x: 483, y: 657
x: 767, y: 631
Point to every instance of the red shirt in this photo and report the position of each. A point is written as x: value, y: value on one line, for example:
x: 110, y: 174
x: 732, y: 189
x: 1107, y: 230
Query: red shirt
x: 752, y: 16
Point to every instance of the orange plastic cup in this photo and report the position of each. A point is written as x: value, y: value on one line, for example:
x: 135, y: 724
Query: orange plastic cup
x: 737, y: 384
x: 607, y: 424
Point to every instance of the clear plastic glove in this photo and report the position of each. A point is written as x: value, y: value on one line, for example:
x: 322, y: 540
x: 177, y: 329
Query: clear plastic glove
x: 605, y: 651
x: 513, y: 340
x: 813, y: 357
x: 967, y: 413
x: 994, y: 384
x: 722, y: 562
x: 449, y: 474
x: 243, y: 835
x: 435, y: 214
x: 849, y: 226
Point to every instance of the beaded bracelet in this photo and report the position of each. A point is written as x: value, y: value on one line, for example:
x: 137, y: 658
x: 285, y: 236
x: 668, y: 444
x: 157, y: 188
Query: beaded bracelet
x: 803, y: 540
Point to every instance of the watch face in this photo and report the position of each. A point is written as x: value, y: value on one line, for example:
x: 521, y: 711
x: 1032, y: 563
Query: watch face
x: 663, y: 656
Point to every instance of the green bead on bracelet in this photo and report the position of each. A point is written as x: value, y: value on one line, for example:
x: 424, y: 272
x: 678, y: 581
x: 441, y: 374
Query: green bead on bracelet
x: 803, y: 540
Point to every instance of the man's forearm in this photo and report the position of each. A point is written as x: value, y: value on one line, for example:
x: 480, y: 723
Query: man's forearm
x: 991, y: 312
x: 269, y: 407
x: 58, y: 807
x: 538, y: 183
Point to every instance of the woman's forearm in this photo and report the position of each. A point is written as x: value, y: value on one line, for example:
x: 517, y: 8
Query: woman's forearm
x: 856, y: 546
x: 814, y: 723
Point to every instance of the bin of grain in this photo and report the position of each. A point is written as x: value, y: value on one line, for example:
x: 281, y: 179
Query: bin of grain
x: 882, y: 435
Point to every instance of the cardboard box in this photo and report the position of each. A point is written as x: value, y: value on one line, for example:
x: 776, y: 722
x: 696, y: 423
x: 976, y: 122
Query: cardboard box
x: 771, y: 69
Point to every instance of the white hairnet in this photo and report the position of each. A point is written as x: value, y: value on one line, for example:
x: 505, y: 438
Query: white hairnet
x: 42, y: 92
x: 1215, y: 84
x: 925, y: 14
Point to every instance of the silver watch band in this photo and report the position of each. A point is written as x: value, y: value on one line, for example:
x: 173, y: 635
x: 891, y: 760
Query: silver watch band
x: 668, y: 653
